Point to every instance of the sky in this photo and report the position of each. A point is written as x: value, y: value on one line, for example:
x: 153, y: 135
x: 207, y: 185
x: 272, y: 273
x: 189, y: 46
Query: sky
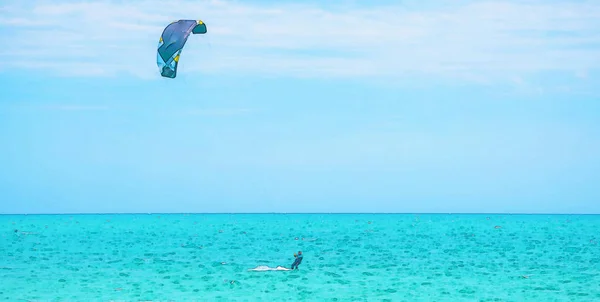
x: 301, y: 106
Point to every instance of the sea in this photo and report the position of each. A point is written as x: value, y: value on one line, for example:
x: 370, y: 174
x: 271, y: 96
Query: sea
x: 347, y: 257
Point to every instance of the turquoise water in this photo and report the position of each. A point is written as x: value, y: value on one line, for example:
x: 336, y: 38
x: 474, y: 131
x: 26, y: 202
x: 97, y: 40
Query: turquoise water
x: 348, y: 257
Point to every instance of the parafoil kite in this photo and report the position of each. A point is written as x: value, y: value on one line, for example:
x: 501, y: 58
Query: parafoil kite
x: 171, y: 44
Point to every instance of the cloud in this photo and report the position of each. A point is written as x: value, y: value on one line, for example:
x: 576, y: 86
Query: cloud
x: 475, y: 41
x: 73, y: 107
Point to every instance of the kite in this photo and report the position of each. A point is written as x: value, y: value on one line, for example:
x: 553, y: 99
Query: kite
x: 171, y: 44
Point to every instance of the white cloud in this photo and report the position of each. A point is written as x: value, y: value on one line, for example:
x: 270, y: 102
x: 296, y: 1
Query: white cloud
x: 476, y: 41
x: 75, y: 107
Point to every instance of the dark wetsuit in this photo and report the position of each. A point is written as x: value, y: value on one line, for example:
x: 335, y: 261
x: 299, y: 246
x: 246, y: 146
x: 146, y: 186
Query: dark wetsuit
x: 297, y: 262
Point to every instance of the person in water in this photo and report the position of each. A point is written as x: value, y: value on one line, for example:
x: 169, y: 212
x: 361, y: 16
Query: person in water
x: 298, y: 260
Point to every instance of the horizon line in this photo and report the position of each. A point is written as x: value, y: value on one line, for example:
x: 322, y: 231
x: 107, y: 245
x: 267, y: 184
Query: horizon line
x: 296, y: 213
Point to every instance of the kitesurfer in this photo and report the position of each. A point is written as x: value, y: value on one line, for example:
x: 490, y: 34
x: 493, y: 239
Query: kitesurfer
x: 298, y: 260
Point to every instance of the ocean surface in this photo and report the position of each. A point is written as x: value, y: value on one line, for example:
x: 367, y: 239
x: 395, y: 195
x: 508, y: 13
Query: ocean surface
x: 347, y: 257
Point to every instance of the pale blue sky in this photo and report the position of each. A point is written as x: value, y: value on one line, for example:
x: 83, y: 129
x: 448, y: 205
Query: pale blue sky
x: 411, y: 106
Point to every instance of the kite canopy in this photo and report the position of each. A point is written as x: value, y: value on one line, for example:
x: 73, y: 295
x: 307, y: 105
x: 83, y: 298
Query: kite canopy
x: 171, y: 44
